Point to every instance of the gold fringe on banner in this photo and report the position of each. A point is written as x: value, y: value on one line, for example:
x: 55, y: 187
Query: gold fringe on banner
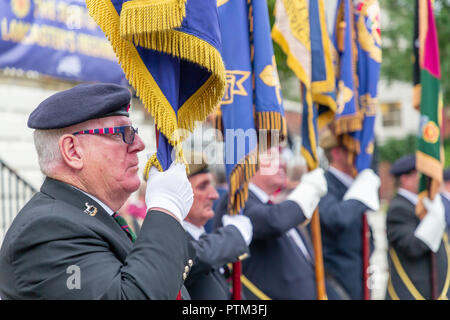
x: 348, y: 124
x: 144, y: 16
x: 270, y: 121
x: 184, y: 46
x: 239, y: 180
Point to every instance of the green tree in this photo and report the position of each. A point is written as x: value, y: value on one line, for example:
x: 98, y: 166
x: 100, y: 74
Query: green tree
x: 393, y: 148
x: 397, y: 38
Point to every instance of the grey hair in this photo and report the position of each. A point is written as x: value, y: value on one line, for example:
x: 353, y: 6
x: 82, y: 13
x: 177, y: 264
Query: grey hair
x: 47, y: 147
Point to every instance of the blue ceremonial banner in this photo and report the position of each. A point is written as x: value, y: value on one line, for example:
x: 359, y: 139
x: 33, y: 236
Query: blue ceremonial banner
x: 367, y: 23
x: 358, y: 42
x: 170, y: 53
x: 56, y: 38
x: 300, y: 29
x: 251, y: 109
x: 348, y: 117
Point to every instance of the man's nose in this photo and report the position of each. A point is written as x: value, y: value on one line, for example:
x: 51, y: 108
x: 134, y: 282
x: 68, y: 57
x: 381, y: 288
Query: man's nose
x: 138, y: 144
x: 214, y: 195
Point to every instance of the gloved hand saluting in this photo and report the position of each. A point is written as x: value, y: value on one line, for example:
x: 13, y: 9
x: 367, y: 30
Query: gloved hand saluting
x: 365, y: 189
x: 242, y: 223
x: 432, y: 226
x: 311, y: 188
x: 170, y: 190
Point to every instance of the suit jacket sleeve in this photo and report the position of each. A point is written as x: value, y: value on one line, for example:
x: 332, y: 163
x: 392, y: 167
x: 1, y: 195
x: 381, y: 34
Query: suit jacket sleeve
x: 271, y: 221
x: 216, y: 249
x: 401, y: 223
x: 337, y: 215
x: 152, y: 270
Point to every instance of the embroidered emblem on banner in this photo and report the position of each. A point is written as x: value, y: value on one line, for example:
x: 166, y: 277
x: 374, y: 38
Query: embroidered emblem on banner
x: 235, y: 85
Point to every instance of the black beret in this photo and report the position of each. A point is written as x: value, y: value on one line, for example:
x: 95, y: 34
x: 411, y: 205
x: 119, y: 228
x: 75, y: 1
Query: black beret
x: 80, y: 103
x: 447, y: 174
x: 403, y: 165
x: 196, y: 162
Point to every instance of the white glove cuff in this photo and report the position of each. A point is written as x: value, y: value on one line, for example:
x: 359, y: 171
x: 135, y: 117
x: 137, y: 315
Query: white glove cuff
x: 306, y: 197
x: 159, y: 201
x: 372, y: 202
x: 430, y: 230
x: 244, y: 226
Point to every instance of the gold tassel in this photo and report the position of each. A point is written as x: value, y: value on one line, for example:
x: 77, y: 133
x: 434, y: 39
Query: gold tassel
x: 143, y: 16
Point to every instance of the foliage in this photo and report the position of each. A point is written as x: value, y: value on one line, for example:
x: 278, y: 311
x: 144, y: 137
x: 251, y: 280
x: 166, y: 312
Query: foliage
x: 397, y: 35
x: 394, y: 148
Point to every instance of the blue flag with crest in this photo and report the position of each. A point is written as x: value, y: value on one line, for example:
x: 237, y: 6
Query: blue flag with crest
x: 251, y: 113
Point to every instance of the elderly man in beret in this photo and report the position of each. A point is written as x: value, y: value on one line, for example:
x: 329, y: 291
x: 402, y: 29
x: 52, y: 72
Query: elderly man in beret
x: 411, y: 241
x: 67, y: 242
x: 207, y: 279
x: 341, y: 211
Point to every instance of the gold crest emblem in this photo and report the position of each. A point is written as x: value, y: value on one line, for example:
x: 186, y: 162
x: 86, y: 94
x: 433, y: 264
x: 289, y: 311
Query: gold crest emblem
x: 90, y: 210
x: 431, y: 132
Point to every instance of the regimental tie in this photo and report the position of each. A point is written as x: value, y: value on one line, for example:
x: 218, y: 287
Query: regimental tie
x: 124, y: 226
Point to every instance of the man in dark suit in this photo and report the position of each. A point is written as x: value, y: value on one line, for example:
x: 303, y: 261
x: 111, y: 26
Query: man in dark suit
x: 281, y: 265
x: 413, y: 241
x: 341, y: 212
x: 67, y: 242
x: 206, y: 280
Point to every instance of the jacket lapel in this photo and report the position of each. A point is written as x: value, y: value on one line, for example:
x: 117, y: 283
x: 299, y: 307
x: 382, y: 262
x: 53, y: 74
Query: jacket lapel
x: 64, y: 192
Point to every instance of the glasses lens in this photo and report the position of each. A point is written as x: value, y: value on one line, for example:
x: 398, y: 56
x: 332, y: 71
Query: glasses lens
x: 128, y: 134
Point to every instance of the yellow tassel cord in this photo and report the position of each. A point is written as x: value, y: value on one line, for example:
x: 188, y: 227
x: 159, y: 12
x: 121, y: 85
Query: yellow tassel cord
x: 239, y: 180
x: 143, y: 16
x: 188, y: 47
x: 154, y: 162
x: 218, y: 125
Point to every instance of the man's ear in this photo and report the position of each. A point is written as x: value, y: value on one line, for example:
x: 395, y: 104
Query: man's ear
x: 71, y: 151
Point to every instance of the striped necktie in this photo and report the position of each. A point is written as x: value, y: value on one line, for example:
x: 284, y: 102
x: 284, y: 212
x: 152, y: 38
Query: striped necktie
x: 124, y: 226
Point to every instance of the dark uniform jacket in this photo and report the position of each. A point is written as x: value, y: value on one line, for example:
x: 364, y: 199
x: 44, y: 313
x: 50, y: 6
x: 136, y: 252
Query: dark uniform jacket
x: 409, y: 258
x: 277, y: 268
x: 212, y: 252
x: 341, y: 228
x: 55, y: 250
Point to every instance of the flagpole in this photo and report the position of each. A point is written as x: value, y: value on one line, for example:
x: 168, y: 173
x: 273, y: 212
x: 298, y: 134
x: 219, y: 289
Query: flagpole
x: 365, y: 256
x: 433, y: 272
x: 318, y: 256
x: 237, y: 280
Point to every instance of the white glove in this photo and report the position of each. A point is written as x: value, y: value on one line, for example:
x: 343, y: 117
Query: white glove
x: 432, y: 226
x: 242, y: 223
x: 365, y: 189
x: 170, y: 190
x: 311, y: 188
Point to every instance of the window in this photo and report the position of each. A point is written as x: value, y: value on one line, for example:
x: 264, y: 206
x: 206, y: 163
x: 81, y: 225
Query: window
x: 391, y: 114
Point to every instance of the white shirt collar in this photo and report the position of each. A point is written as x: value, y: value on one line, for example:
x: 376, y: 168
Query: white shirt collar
x: 412, y: 197
x: 446, y: 194
x: 260, y: 193
x: 341, y: 176
x: 104, y: 206
x: 193, y: 230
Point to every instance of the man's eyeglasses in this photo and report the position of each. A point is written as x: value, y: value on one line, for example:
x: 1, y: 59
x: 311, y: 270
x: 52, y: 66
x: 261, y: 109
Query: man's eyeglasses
x: 128, y: 132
